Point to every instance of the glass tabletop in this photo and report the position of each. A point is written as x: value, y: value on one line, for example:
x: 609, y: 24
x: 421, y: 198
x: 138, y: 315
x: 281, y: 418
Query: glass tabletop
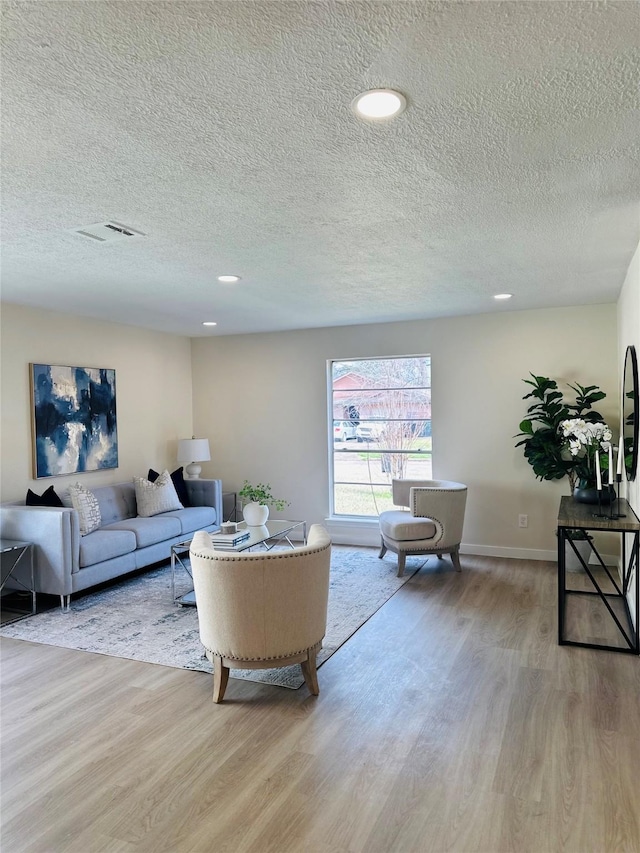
x: 274, y: 529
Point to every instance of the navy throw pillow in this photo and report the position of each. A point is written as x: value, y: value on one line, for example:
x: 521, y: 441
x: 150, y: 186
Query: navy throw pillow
x: 48, y: 498
x: 177, y: 478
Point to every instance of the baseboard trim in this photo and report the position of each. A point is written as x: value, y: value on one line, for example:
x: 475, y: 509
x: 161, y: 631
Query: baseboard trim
x: 367, y: 533
x: 510, y: 553
x: 550, y: 556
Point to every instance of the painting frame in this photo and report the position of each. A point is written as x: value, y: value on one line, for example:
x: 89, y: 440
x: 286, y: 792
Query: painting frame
x: 73, y: 419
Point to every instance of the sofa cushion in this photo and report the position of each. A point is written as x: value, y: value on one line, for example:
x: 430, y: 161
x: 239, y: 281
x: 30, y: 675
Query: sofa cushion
x: 154, y: 498
x: 194, y: 517
x: 404, y: 527
x: 177, y: 478
x: 117, y: 502
x: 48, y: 498
x: 149, y: 531
x: 86, y: 505
x: 104, y: 545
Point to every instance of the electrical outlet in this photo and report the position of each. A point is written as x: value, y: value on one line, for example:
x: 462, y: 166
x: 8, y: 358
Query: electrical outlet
x: 523, y: 521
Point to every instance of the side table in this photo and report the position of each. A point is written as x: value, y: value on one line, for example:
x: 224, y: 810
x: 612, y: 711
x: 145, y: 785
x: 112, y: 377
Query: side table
x: 178, y: 558
x: 230, y: 506
x: 616, y: 606
x: 14, y: 554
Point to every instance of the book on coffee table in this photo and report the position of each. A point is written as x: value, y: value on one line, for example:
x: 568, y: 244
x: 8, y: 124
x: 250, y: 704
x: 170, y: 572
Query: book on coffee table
x: 229, y: 539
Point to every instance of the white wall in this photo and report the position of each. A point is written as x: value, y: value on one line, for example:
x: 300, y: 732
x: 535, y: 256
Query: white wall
x: 153, y: 388
x: 262, y: 401
x: 629, y: 334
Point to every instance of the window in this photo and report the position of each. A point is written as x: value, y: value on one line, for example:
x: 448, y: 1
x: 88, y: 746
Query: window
x: 380, y: 422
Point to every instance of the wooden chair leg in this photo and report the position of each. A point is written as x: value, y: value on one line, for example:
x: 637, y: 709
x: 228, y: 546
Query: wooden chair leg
x: 310, y: 673
x: 455, y: 559
x: 401, y: 559
x: 220, y: 679
x: 440, y: 556
x: 383, y: 549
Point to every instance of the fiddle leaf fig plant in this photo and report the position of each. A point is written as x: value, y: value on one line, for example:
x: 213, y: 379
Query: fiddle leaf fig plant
x: 545, y: 446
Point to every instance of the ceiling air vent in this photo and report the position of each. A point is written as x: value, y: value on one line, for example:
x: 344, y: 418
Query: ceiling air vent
x: 107, y: 232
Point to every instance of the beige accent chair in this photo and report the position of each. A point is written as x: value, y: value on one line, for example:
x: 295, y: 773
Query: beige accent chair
x: 432, y: 524
x: 260, y: 610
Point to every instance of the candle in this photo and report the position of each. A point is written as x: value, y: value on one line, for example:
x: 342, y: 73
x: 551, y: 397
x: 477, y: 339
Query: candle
x: 610, y: 464
x: 598, y: 475
x: 620, y: 456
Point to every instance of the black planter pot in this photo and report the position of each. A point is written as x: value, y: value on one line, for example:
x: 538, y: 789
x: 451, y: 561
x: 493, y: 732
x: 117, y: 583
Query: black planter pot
x: 590, y: 496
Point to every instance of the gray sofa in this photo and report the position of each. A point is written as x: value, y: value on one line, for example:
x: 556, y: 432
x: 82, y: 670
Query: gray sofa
x: 66, y: 562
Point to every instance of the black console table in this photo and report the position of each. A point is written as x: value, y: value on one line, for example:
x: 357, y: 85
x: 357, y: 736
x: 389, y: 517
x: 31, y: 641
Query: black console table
x: 577, y: 516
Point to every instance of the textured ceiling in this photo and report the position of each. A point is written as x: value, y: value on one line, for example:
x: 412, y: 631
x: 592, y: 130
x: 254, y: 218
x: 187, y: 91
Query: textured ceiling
x: 222, y: 130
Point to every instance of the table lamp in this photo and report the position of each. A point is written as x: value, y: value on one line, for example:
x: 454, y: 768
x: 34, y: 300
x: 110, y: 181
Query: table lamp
x: 193, y: 450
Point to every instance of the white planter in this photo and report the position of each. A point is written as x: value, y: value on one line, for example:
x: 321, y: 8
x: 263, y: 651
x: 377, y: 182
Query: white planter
x: 255, y: 514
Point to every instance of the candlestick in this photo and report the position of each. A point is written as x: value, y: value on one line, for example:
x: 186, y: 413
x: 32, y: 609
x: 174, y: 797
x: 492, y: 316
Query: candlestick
x: 610, y: 464
x: 598, y: 474
x: 620, y: 456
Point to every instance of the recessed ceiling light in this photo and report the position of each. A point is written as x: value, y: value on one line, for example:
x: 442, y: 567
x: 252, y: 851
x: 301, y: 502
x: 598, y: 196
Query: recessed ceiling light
x: 209, y: 323
x: 379, y: 104
x: 229, y: 278
x: 503, y: 295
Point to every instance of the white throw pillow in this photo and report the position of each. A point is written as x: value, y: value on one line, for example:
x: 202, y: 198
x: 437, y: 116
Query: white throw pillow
x: 154, y: 498
x: 86, y: 505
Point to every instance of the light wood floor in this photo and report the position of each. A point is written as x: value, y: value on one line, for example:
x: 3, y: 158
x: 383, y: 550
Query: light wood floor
x: 451, y: 721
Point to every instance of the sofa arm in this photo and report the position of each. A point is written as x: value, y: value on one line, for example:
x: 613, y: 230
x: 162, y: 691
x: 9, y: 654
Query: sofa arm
x: 206, y: 493
x: 55, y: 533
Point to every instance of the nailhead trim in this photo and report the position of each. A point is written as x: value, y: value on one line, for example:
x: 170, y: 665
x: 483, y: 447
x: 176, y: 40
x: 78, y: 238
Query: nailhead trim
x: 275, y: 555
x: 281, y: 657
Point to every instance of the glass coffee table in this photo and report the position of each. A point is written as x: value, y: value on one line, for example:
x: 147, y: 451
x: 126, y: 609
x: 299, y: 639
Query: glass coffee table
x: 266, y: 537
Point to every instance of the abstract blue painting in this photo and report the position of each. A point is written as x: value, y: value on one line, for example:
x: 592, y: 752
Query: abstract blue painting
x: 74, y: 419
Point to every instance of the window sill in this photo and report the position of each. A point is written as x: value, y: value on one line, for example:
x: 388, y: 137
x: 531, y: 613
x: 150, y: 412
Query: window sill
x: 351, y: 530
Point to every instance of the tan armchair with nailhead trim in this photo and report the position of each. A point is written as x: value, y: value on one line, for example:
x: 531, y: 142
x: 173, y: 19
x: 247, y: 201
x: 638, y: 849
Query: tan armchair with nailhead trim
x: 431, y: 523
x: 260, y: 610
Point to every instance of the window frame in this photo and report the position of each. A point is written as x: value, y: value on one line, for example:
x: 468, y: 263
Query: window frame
x: 332, y: 419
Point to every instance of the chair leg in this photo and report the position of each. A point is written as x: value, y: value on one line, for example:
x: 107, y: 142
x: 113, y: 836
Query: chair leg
x: 401, y: 559
x: 220, y: 679
x: 310, y: 673
x: 455, y: 559
x: 440, y: 556
x: 383, y: 549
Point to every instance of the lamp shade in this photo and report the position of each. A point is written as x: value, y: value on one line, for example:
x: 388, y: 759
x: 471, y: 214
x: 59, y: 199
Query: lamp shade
x: 193, y: 450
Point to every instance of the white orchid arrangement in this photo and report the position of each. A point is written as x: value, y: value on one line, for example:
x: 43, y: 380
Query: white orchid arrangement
x: 582, y: 434
x: 584, y: 440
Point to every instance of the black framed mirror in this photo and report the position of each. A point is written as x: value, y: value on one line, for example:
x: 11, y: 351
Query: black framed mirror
x: 630, y: 413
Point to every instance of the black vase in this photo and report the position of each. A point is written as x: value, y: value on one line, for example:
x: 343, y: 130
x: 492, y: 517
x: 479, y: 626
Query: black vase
x: 590, y: 495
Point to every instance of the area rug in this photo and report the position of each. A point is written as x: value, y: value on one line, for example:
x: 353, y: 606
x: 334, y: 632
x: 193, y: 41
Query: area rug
x: 136, y: 618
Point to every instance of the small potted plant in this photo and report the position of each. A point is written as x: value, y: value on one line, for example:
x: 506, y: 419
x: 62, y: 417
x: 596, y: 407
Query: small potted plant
x: 585, y: 439
x: 257, y: 500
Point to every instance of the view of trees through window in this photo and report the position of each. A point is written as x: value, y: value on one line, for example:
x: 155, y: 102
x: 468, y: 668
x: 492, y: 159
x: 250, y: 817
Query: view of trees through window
x: 381, y: 410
